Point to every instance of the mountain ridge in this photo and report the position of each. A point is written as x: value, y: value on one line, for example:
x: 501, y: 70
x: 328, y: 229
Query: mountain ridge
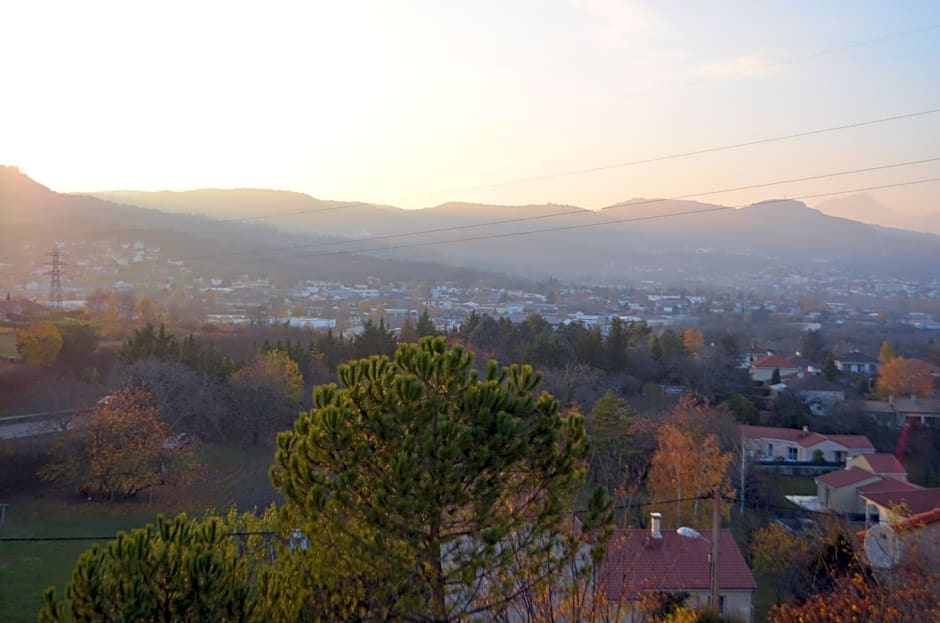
x: 620, y: 242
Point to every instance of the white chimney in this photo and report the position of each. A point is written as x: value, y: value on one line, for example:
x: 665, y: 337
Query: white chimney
x: 656, y: 520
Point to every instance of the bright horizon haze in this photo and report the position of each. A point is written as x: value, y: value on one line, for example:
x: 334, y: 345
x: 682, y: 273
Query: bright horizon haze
x: 402, y: 103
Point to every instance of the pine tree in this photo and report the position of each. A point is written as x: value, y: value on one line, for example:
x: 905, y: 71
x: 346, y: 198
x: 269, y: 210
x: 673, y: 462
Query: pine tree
x: 425, y: 326
x: 830, y: 370
x: 178, y: 570
x: 456, y: 485
x: 813, y: 346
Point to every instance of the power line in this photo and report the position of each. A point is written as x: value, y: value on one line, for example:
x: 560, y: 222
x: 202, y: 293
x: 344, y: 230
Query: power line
x: 111, y: 537
x: 575, y: 212
x: 259, y: 253
x: 674, y: 156
x: 612, y: 222
x: 267, y: 533
x: 686, y: 154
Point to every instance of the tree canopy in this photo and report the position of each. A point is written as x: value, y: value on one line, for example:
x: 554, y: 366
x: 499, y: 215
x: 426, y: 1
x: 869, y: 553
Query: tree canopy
x: 178, y: 570
x: 39, y: 344
x: 457, y: 482
x: 118, y: 449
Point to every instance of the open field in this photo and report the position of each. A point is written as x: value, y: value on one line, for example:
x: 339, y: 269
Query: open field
x: 7, y: 343
x: 229, y: 476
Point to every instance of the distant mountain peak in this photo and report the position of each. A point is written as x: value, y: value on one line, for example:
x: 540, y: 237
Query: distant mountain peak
x: 866, y: 209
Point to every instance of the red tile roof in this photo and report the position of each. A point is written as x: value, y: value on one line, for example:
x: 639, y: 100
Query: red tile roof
x: 846, y: 477
x: 854, y: 442
x: 920, y: 519
x: 911, y: 523
x: 918, y: 501
x: 883, y: 463
x: 636, y: 563
x: 774, y: 361
x: 811, y: 439
x: 804, y: 438
x: 919, y: 365
x: 889, y: 485
x: 770, y: 432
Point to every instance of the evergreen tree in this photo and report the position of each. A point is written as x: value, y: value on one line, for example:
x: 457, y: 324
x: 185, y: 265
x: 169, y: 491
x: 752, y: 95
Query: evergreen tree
x: 79, y: 341
x: 149, y: 342
x: 615, y: 346
x: 375, y: 339
x: 178, y: 570
x: 425, y: 326
x: 744, y: 410
x: 830, y: 370
x: 813, y: 347
x: 456, y: 485
x: 612, y: 440
x: 775, y: 377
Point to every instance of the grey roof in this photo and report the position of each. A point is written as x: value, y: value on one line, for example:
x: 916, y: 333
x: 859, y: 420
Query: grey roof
x: 856, y: 356
x: 813, y: 383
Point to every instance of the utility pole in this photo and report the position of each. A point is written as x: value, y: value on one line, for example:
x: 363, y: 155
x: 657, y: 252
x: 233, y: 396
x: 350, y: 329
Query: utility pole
x: 743, y: 471
x: 55, y: 283
x: 714, y: 597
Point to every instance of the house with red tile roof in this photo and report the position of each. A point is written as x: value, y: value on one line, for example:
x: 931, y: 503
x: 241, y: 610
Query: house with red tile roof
x: 919, y: 537
x: 640, y: 562
x: 838, y: 491
x: 882, y: 464
x: 763, y: 369
x: 923, y: 366
x: 894, y: 500
x: 873, y: 484
x: 791, y: 444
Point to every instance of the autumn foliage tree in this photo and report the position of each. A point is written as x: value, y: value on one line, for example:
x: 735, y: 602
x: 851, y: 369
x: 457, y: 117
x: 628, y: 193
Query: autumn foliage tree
x: 865, y: 598
x: 692, y: 341
x: 783, y: 558
x: 39, y: 344
x: 118, y: 449
x: 683, y: 471
x: 886, y: 353
x: 902, y: 377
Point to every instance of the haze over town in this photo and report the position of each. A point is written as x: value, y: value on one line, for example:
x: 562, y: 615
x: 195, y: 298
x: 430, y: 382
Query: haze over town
x: 535, y: 311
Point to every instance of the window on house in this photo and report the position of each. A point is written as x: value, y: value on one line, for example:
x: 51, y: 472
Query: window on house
x: 840, y: 456
x: 791, y: 454
x: 770, y: 449
x: 721, y: 604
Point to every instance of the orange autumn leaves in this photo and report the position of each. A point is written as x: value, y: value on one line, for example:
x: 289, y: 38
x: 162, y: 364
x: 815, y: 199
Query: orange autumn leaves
x: 118, y: 449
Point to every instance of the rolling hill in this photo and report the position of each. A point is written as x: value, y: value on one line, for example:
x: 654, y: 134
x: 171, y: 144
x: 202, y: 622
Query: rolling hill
x: 641, y: 239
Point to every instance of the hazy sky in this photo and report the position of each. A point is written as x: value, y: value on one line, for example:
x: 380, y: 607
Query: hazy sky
x: 391, y: 101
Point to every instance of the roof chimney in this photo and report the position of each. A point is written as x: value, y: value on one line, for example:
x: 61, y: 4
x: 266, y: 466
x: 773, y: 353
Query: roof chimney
x: 656, y: 525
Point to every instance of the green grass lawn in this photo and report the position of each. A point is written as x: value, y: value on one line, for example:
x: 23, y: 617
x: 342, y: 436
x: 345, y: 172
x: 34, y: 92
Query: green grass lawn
x: 229, y: 476
x: 8, y: 344
x: 26, y: 569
